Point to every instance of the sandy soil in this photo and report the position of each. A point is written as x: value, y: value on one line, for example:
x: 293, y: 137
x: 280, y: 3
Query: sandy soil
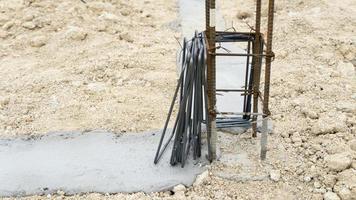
x: 67, y: 65
x: 65, y: 84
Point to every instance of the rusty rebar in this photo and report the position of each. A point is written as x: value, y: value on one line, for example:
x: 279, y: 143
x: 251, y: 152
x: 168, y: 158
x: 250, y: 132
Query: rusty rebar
x: 207, y: 16
x: 256, y: 64
x: 267, y: 79
x: 211, y: 76
x: 268, y: 58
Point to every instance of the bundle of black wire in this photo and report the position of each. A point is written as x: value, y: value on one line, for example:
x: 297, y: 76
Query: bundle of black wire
x: 192, y: 111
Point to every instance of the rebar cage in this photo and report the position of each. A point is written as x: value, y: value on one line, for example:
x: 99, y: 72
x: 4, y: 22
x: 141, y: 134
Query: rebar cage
x: 197, y: 88
x: 251, y: 91
x: 244, y: 118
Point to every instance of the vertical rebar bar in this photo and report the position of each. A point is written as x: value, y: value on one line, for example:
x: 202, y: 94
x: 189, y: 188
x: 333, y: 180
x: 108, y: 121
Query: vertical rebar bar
x: 245, y: 108
x: 264, y: 139
x: 269, y: 56
x: 257, y: 65
x: 207, y: 16
x: 267, y: 78
x: 211, y: 75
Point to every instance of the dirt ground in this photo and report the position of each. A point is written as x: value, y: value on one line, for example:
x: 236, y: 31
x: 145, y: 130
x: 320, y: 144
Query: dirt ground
x: 69, y: 65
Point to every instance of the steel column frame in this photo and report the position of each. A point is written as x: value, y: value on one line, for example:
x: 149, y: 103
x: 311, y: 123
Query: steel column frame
x: 269, y: 57
x: 256, y: 65
x: 208, y: 54
x: 257, y: 54
x: 267, y: 78
x: 211, y: 75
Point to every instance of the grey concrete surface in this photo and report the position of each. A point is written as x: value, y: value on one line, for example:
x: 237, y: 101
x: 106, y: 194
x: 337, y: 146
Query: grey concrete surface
x: 95, y: 161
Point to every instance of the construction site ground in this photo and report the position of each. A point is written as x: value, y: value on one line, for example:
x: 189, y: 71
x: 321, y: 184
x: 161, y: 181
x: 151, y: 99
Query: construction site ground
x: 111, y: 65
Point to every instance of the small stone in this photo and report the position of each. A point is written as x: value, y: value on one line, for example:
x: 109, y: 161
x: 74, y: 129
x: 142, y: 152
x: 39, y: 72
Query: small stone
x: 28, y: 17
x: 328, y: 125
x: 201, y: 178
x: 307, y: 179
x: 8, y: 25
x: 60, y: 192
x: 109, y: 17
x: 101, y: 27
x: 125, y: 12
x: 346, y: 69
x: 347, y: 178
x: 28, y: 2
x: 313, y: 169
x: 4, y: 19
x: 282, y: 54
x: 338, y: 162
x: 353, y: 61
x: 179, y: 195
x: 335, y: 74
x: 346, y: 106
x: 179, y: 188
x: 317, y: 184
x: 353, y: 165
x: 42, y: 22
x: 331, y: 196
x: 353, y: 96
x: 310, y: 113
x: 96, y: 87
x: 329, y: 180
x: 4, y: 101
x: 300, y: 171
x: 29, y: 25
x: 345, y: 194
x: 296, y: 138
x: 320, y: 190
x: 3, y: 34
x: 353, y: 145
x: 285, y: 134
x: 127, y: 37
x: 100, y: 6
x: 243, y: 15
x: 38, y: 41
x: 275, y: 175
x: 317, y: 196
x: 76, y: 33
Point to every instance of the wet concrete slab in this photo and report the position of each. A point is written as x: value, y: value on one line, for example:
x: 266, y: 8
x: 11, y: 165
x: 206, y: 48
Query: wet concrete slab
x: 96, y: 161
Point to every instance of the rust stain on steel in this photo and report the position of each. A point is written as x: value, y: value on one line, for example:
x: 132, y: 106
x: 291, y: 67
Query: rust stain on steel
x: 211, y: 77
x: 268, y: 58
x: 258, y: 54
x: 256, y: 65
